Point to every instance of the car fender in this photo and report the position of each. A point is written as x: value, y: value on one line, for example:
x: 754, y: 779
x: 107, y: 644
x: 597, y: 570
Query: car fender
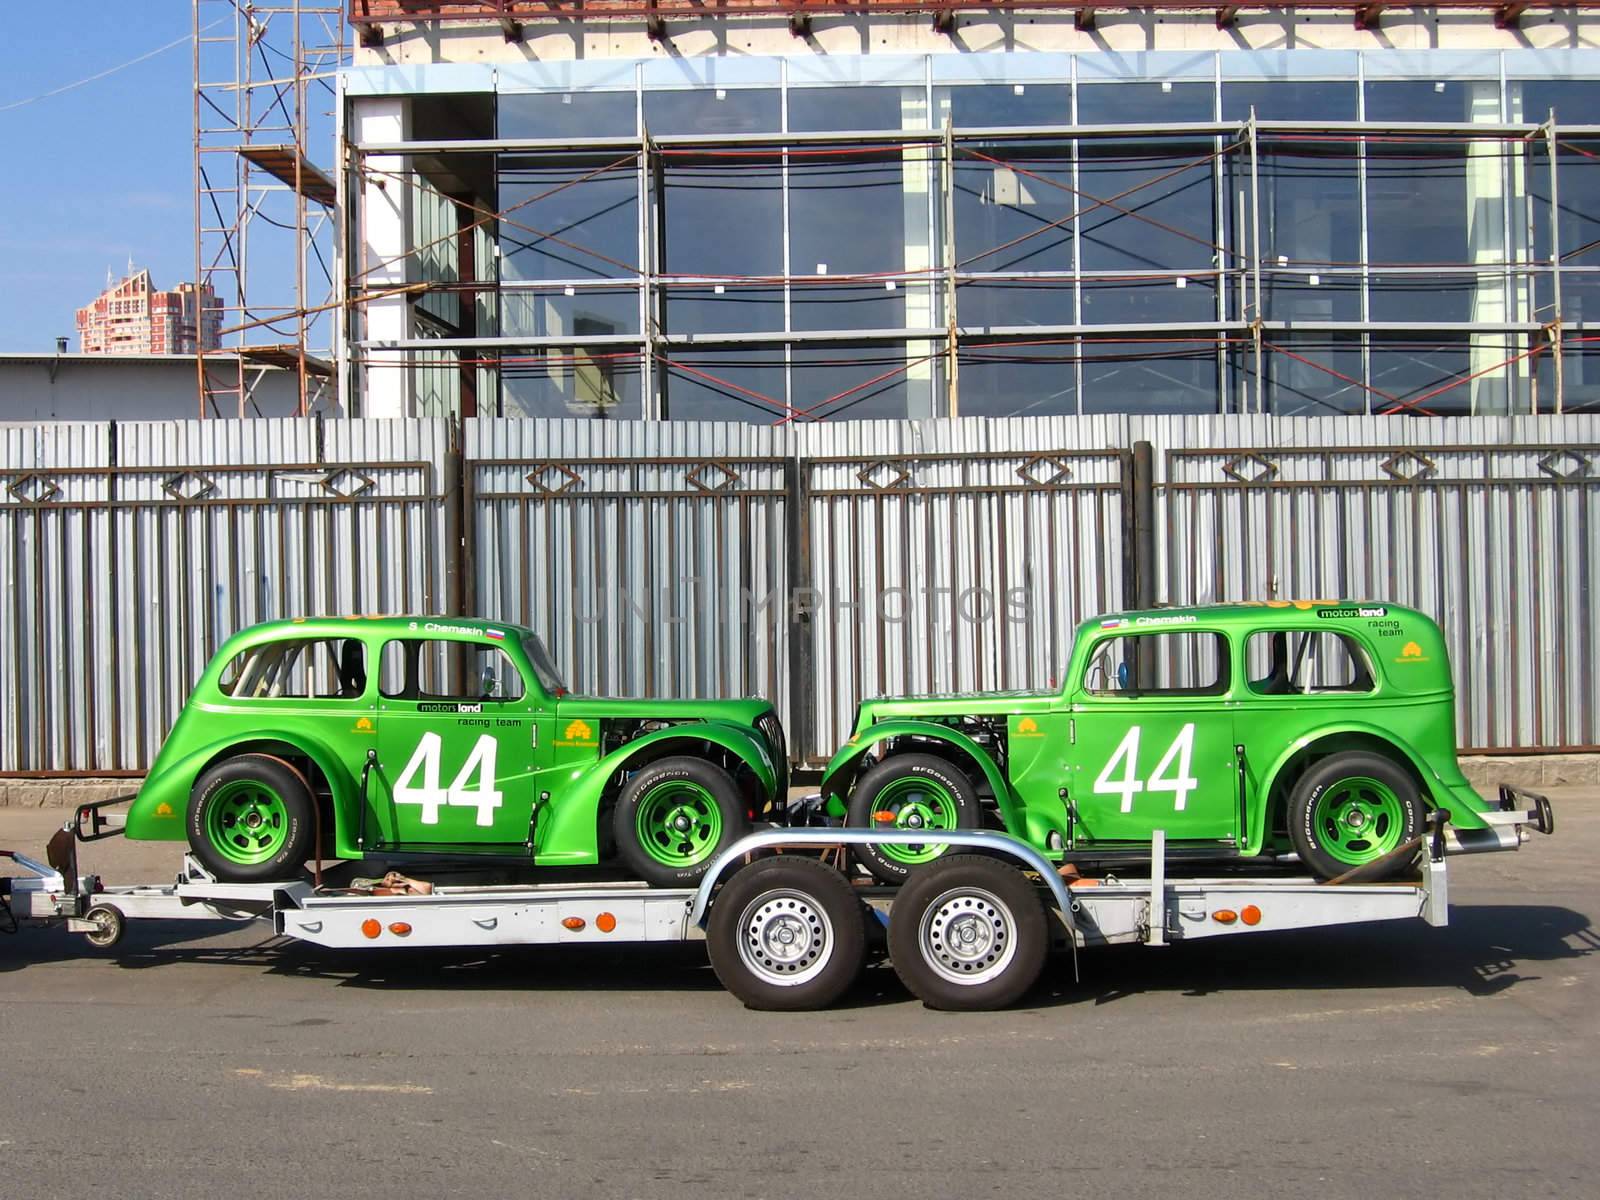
x: 572, y: 816
x: 1436, y: 784
x: 843, y: 766
x: 157, y: 812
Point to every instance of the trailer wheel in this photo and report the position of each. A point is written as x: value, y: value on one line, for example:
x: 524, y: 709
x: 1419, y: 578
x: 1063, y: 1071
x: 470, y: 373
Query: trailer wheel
x: 787, y: 934
x: 906, y: 792
x: 968, y: 933
x: 109, y: 926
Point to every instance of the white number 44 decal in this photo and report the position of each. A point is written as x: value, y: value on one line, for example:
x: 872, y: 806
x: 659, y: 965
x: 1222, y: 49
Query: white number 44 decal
x: 430, y: 796
x: 1127, y: 785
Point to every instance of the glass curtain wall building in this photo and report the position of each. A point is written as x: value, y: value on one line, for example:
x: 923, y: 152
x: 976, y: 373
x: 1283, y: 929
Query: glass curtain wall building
x: 799, y: 239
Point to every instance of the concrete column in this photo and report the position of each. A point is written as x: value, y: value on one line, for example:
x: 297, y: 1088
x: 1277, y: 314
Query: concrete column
x: 1486, y: 244
x: 917, y: 165
x: 383, y: 219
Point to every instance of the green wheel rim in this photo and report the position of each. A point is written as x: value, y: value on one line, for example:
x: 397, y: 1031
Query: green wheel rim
x: 247, y: 822
x: 915, y: 802
x: 1358, y: 820
x: 678, y: 823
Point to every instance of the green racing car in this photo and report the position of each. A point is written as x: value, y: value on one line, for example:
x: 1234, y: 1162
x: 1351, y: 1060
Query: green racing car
x: 1324, y: 729
x: 443, y: 736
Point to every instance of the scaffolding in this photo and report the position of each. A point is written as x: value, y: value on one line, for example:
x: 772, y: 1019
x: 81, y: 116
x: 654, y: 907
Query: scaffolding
x: 265, y: 214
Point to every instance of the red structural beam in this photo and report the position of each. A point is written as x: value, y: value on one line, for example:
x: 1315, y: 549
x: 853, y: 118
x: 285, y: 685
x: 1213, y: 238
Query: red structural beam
x: 369, y: 15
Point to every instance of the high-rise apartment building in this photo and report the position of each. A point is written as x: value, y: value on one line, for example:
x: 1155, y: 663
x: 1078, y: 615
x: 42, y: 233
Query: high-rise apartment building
x: 134, y: 317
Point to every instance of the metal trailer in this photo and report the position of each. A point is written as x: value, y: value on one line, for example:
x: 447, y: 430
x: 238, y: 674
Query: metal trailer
x: 786, y: 928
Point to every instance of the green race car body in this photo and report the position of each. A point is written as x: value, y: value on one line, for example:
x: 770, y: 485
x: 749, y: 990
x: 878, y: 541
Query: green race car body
x: 1200, y: 722
x: 440, y: 735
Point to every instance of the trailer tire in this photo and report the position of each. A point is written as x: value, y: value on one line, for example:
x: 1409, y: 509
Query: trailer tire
x: 701, y: 796
x: 1351, y: 809
x: 252, y: 819
x: 109, y: 926
x: 787, y: 934
x: 907, y: 788
x: 968, y: 933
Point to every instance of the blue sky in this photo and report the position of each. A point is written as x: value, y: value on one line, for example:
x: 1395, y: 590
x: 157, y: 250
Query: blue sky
x: 98, y: 173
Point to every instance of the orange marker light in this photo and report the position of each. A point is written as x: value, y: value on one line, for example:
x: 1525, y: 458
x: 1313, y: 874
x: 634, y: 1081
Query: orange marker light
x: 573, y: 923
x: 883, y: 818
x: 371, y: 928
x: 1225, y: 916
x: 1250, y: 914
x: 400, y: 929
x: 605, y: 922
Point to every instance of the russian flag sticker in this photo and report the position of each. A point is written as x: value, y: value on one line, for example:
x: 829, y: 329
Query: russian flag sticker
x: 1111, y: 624
x: 497, y: 634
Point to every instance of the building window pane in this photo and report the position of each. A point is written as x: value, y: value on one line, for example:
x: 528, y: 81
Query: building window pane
x: 724, y: 385
x: 815, y: 109
x: 861, y: 213
x: 1576, y: 101
x: 1015, y: 380
x: 724, y: 218
x: 1159, y: 205
x: 570, y: 381
x: 840, y: 381
x: 1138, y: 300
x: 1458, y: 377
x: 1436, y: 203
x: 552, y: 312
x: 1289, y: 100
x: 1306, y: 376
x: 1013, y: 211
x: 1151, y: 376
x: 713, y: 110
x: 577, y: 115
x: 1433, y: 100
x: 569, y: 217
x: 1145, y: 103
x: 997, y: 106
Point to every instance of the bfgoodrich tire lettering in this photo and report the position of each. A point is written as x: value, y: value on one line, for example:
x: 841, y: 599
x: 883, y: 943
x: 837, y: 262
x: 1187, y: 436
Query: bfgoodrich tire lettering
x: 1351, y: 809
x: 250, y: 819
x: 787, y: 934
x: 910, y: 791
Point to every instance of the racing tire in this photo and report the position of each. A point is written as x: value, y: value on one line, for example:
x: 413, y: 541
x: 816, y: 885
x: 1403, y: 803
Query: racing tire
x: 909, y: 791
x: 251, y: 819
x: 673, y: 818
x: 1352, y: 809
x: 787, y: 934
x: 968, y: 933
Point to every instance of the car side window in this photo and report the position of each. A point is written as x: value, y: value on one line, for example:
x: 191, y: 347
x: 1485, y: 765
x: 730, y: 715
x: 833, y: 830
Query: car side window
x: 423, y: 669
x: 1303, y: 662
x: 299, y: 669
x: 1159, y: 664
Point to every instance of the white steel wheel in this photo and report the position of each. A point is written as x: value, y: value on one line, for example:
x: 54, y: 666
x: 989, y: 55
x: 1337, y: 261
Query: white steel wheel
x: 787, y: 933
x: 968, y: 935
x: 785, y: 938
x: 968, y: 932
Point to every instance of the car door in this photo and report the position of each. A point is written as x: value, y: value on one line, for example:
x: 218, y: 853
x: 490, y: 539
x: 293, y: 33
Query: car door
x: 459, y: 748
x: 1152, y: 737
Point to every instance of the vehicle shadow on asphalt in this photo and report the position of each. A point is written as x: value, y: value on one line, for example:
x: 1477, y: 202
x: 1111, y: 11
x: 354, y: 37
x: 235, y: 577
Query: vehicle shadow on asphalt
x: 1485, y: 950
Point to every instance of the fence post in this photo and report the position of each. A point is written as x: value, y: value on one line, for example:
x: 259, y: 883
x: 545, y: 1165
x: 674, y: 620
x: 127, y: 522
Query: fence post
x: 459, y: 566
x: 1143, y: 520
x: 802, y: 661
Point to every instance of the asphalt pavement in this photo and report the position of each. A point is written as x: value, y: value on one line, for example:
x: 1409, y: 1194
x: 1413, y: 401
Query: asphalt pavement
x: 1391, y: 1060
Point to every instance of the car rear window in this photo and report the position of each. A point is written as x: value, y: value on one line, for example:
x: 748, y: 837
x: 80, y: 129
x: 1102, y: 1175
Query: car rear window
x: 1159, y: 664
x: 1303, y: 662
x: 299, y: 668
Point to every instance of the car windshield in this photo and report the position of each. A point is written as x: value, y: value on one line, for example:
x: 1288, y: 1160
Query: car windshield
x: 543, y: 667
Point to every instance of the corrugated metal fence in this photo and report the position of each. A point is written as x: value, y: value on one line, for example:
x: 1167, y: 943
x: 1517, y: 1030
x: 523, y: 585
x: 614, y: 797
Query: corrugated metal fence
x: 815, y: 564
